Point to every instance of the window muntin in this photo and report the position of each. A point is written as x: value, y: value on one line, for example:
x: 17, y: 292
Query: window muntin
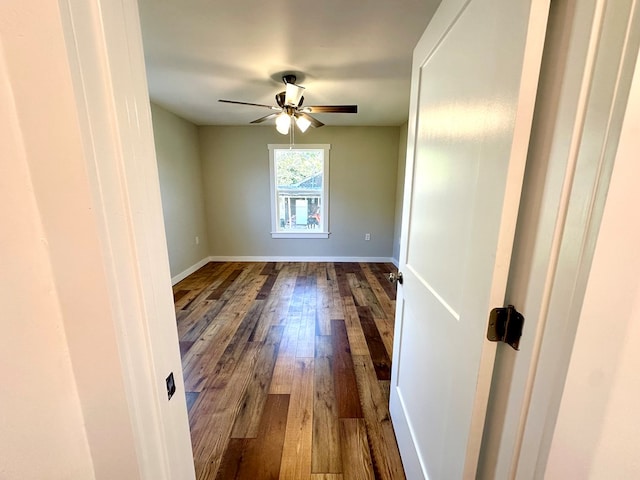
x: 299, y: 191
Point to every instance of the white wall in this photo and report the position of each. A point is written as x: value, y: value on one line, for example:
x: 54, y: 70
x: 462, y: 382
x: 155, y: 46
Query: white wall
x: 75, y: 314
x: 598, y: 425
x: 41, y: 420
x: 363, y: 171
x: 180, y: 173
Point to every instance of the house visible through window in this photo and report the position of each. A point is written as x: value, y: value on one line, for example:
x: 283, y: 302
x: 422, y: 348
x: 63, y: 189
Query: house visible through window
x: 299, y: 191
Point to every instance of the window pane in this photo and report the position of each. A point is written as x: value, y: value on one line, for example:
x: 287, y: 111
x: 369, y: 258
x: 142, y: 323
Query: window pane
x: 299, y: 182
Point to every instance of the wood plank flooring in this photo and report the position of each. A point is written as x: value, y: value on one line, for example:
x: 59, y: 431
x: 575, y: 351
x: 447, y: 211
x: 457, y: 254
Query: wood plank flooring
x: 286, y: 368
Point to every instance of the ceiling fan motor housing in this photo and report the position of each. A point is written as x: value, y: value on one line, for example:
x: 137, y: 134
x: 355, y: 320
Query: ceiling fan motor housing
x: 289, y: 79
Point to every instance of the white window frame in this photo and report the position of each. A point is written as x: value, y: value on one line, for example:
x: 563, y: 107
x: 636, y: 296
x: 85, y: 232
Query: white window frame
x: 324, y: 211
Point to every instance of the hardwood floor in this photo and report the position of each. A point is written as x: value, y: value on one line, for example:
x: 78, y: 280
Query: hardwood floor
x: 287, y: 369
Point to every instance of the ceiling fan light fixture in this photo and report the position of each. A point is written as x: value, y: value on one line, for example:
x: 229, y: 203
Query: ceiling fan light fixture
x: 289, y: 105
x: 302, y: 123
x: 283, y: 123
x: 293, y: 94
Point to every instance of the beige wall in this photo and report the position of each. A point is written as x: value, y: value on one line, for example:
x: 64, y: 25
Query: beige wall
x: 402, y: 162
x: 363, y: 172
x: 180, y: 172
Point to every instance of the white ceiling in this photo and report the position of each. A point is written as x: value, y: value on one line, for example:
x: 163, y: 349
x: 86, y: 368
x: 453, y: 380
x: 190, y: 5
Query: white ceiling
x: 343, y: 51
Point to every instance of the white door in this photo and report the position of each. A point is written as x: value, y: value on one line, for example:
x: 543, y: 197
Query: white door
x: 475, y: 74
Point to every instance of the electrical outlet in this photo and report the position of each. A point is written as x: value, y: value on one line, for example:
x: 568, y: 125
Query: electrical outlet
x: 197, y: 240
x: 367, y: 236
x: 171, y: 386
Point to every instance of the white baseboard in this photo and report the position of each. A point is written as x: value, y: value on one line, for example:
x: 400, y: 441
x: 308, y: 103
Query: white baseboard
x: 299, y: 259
x: 395, y: 262
x: 249, y: 258
x: 190, y: 270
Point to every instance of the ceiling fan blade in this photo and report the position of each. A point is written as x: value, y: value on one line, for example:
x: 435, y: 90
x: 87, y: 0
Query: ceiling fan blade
x: 270, y: 107
x: 332, y: 109
x: 314, y: 121
x: 265, y: 118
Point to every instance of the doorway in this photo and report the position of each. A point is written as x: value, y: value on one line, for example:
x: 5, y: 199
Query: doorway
x: 287, y: 368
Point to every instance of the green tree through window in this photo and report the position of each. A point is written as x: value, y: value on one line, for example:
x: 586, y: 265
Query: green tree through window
x: 295, y: 166
x: 299, y: 191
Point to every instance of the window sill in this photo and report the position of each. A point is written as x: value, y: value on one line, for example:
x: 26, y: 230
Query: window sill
x: 299, y: 234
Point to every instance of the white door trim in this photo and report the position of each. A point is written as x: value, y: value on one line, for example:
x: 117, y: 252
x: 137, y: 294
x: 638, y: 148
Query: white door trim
x: 106, y: 60
x: 565, y: 192
x: 588, y: 185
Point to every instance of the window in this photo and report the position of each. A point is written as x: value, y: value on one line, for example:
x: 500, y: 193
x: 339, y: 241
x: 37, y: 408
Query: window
x: 299, y: 191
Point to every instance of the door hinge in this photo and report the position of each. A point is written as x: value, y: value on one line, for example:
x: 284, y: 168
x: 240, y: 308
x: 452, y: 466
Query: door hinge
x: 505, y: 325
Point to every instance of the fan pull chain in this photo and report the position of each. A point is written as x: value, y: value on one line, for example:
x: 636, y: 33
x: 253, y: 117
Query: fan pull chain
x: 292, y: 134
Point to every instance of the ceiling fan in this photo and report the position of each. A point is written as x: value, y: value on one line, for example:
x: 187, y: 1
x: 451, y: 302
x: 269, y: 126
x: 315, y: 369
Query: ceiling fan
x: 290, y: 110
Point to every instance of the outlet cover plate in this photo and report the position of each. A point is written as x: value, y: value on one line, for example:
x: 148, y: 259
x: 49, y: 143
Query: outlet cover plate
x: 171, y: 386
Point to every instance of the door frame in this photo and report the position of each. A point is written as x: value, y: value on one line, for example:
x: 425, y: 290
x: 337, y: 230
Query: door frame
x: 563, y: 200
x: 107, y: 33
x: 106, y: 64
